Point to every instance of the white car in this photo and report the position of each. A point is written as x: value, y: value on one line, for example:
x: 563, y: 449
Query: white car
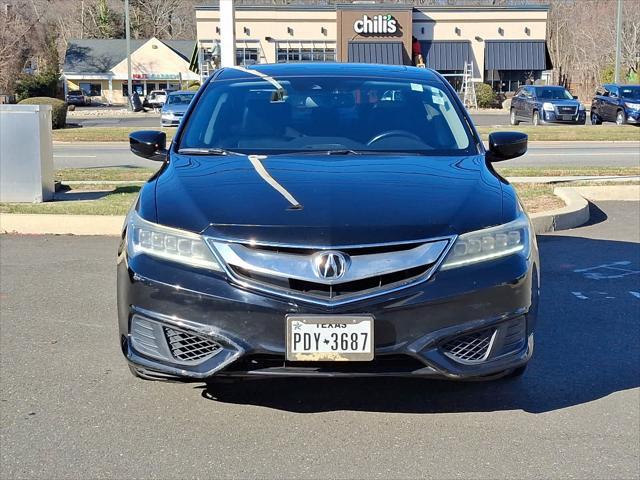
x: 155, y: 99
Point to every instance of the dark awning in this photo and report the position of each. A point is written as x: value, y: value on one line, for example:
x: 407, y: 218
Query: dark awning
x: 446, y: 55
x: 515, y: 55
x: 390, y: 53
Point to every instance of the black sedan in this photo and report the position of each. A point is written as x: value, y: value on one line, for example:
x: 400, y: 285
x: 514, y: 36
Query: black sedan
x: 327, y: 220
x: 546, y: 104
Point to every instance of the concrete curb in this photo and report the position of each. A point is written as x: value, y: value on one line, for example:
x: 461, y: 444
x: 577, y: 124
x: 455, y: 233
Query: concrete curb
x: 574, y: 214
x: 42, y: 224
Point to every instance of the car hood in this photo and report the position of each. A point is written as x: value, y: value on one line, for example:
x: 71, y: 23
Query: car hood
x: 174, y: 108
x: 356, y: 199
x: 562, y: 103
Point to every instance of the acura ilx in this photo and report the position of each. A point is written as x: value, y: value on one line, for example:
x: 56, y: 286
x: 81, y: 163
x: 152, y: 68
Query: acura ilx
x: 327, y: 220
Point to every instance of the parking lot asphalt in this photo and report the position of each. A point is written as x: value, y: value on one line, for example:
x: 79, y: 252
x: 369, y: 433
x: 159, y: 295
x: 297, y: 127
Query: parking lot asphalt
x: 540, y: 154
x: 70, y: 408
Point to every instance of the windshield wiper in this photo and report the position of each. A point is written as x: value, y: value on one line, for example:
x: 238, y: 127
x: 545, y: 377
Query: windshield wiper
x: 206, y: 151
x: 344, y: 151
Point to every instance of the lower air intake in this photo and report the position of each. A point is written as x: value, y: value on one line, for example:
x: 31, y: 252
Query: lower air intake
x: 471, y: 347
x: 188, y: 347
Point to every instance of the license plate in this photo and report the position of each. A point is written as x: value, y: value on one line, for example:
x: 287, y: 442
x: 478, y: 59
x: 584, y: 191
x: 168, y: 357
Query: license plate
x: 336, y: 338
x: 567, y: 117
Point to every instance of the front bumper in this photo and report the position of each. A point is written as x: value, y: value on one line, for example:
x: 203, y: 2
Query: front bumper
x: 170, y: 121
x: 552, y: 117
x: 411, y: 325
x: 633, y: 116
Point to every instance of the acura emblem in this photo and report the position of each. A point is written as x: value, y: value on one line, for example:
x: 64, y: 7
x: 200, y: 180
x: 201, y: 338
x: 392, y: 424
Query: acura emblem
x: 330, y: 265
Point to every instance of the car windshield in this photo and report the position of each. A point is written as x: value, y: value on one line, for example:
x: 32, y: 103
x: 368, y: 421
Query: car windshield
x: 630, y: 92
x: 75, y: 92
x: 553, y: 93
x: 295, y: 114
x: 180, y: 98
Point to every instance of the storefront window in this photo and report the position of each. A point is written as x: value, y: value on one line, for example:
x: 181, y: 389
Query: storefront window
x: 296, y: 52
x: 137, y: 87
x: 503, y: 81
x: 454, y: 77
x: 91, y: 89
x: 246, y: 56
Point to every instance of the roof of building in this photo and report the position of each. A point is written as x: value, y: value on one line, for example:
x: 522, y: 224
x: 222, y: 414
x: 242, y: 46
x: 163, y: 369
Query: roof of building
x: 460, y: 6
x: 99, y: 55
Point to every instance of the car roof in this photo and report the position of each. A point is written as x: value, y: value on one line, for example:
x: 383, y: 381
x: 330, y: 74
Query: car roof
x: 332, y: 69
x: 618, y: 85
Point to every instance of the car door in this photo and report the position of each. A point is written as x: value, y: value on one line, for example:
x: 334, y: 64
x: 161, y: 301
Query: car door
x: 611, y: 104
x: 529, y: 103
x: 516, y: 101
x: 596, y: 102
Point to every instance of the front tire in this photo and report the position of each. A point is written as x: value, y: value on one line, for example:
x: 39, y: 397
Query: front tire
x: 595, y: 118
x: 512, y: 118
x: 536, y: 118
x: 621, y: 118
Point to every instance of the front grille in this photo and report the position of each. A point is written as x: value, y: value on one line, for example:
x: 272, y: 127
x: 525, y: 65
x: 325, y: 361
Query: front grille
x: 567, y: 110
x: 188, y: 347
x: 471, y: 347
x: 340, y: 289
x: 367, y: 270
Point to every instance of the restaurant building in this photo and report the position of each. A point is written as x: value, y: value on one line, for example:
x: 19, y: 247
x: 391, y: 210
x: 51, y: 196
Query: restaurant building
x: 98, y: 67
x: 504, y: 46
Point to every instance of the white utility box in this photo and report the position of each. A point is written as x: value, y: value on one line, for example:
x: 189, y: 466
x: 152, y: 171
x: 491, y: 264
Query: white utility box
x: 26, y: 153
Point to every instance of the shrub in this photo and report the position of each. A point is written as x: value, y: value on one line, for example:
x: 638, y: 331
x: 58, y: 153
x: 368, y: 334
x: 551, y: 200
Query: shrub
x: 485, y: 95
x: 43, y: 84
x: 193, y: 86
x: 58, y: 109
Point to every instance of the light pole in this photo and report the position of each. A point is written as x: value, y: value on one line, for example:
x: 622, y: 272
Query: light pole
x: 227, y: 33
x: 618, y: 41
x: 127, y: 28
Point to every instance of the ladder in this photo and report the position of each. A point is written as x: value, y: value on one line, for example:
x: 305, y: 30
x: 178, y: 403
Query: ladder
x: 468, y: 87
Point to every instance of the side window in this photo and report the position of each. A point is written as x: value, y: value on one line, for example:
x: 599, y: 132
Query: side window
x: 529, y: 92
x: 613, y: 92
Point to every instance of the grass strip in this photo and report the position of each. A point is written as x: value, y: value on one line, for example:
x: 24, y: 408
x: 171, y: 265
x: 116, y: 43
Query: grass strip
x: 98, y: 200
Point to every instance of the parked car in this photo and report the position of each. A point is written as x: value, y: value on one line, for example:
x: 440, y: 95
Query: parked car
x: 155, y: 99
x: 175, y: 107
x: 303, y: 222
x: 78, y: 97
x: 546, y: 104
x: 616, y: 103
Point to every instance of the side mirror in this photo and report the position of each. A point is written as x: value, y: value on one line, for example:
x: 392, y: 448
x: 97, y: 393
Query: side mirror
x: 149, y: 144
x: 506, y: 145
x: 575, y: 97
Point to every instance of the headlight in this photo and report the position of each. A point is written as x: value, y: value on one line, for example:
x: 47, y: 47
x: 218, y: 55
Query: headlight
x: 167, y: 115
x: 179, y: 246
x: 548, y: 107
x: 581, y: 107
x: 632, y: 106
x: 490, y: 243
